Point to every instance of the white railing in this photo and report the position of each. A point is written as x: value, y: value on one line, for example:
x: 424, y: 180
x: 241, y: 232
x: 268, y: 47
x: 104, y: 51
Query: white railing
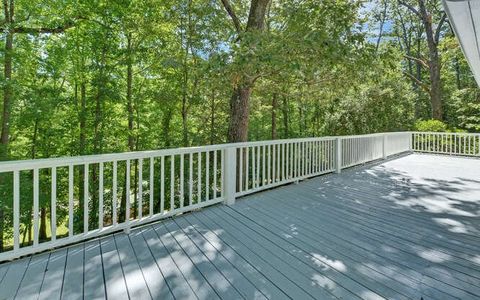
x: 268, y: 164
x: 467, y: 144
x: 89, y: 196
x: 100, y: 194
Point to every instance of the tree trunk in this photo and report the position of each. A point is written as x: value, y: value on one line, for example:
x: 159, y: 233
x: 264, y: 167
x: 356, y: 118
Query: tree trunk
x: 185, y: 40
x: 212, y: 118
x: 434, y: 65
x: 382, y: 22
x: 7, y: 96
x: 239, y: 114
x: 240, y: 99
x: 83, y: 118
x: 7, y: 99
x: 457, y: 74
x: 274, y: 116
x: 42, y: 234
x: 131, y: 137
x: 285, y: 117
x: 130, y: 109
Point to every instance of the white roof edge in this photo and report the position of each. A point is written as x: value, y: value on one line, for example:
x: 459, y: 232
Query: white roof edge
x: 464, y: 16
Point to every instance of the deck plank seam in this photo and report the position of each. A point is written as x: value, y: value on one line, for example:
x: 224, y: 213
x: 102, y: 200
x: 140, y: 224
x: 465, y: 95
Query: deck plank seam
x: 307, y: 253
x: 378, y: 219
x: 121, y: 267
x: 23, y: 276
x: 226, y: 258
x: 249, y: 261
x: 273, y: 266
x: 376, y: 238
x: 396, y: 263
x: 208, y: 259
x: 188, y: 257
x: 389, y: 234
x: 176, y: 265
x: 156, y: 263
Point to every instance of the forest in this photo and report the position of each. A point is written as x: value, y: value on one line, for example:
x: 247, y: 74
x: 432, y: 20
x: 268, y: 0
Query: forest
x: 90, y: 77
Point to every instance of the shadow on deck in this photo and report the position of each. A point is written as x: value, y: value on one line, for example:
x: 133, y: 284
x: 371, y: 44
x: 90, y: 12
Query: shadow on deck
x: 402, y: 229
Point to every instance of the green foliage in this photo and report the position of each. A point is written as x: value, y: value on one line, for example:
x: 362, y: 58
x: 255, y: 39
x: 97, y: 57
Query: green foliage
x: 465, y: 104
x: 430, y: 126
x: 147, y: 74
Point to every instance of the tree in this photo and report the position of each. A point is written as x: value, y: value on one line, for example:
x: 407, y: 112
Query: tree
x: 244, y: 82
x: 434, y: 64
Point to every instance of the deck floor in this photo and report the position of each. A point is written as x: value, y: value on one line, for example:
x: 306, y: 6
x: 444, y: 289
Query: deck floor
x: 402, y: 229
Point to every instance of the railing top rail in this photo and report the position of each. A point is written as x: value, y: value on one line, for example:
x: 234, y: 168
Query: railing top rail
x: 21, y: 165
x: 453, y: 133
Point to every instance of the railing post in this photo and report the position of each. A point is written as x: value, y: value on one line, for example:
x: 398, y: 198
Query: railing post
x: 384, y: 146
x: 339, y: 155
x: 230, y: 175
x: 410, y: 141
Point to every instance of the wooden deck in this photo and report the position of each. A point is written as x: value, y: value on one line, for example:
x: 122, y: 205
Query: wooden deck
x: 402, y: 229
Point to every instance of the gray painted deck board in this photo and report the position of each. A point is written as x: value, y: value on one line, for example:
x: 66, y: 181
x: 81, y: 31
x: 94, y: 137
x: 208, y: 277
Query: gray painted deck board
x: 153, y: 275
x: 33, y: 278
x: 427, y: 256
x: 216, y: 279
x: 94, y: 285
x: 404, y: 228
x: 115, y: 284
x: 358, y: 237
x: 353, y: 245
x: 240, y: 281
x: 299, y: 261
x: 13, y: 278
x: 263, y: 263
x: 53, y: 279
x: 177, y: 283
x: 74, y: 273
x: 329, y: 263
x: 3, y: 271
x: 194, y: 277
x: 134, y: 277
x: 247, y: 268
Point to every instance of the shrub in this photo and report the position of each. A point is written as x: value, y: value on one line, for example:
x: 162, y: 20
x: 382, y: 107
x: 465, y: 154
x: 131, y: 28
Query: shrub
x: 430, y: 125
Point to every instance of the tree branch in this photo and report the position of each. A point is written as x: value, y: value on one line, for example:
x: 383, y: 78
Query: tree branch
x: 424, y: 86
x: 233, y: 16
x: 410, y: 7
x: 439, y: 28
x: 5, y: 11
x: 40, y: 30
x: 418, y: 60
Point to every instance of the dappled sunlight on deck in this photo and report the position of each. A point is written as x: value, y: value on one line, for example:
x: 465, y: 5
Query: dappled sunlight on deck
x: 403, y: 228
